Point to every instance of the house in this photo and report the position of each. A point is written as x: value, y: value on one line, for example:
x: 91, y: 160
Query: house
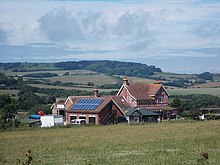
x: 142, y: 101
x: 99, y: 110
x: 58, y: 109
x: 146, y: 96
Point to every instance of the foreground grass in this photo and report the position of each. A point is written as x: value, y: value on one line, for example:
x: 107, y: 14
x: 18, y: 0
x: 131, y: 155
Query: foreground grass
x: 176, y: 143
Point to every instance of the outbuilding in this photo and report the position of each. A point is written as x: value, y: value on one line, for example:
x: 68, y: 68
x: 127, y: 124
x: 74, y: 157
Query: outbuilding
x: 51, y: 120
x: 142, y: 115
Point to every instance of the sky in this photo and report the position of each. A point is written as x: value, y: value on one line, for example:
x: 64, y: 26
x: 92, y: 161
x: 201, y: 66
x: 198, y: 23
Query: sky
x: 177, y: 36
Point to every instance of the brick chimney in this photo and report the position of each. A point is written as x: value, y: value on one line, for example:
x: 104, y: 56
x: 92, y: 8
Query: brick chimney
x: 96, y: 92
x: 125, y: 81
x: 157, y: 82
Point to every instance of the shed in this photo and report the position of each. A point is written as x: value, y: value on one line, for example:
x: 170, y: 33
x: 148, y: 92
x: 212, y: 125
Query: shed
x: 51, y: 120
x: 142, y: 115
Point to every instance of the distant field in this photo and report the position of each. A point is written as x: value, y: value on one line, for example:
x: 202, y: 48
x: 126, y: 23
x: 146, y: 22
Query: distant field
x: 151, y: 144
x: 173, y: 76
x: 138, y: 79
x: 9, y: 92
x: 208, y: 85
x: 180, y: 91
x: 69, y: 88
x: 97, y: 79
x: 59, y: 72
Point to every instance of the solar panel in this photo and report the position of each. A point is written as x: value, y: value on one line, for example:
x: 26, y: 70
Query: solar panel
x: 87, y: 104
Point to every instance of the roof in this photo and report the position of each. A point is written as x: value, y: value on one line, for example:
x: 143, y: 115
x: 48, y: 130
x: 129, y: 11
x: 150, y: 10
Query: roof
x: 158, y: 108
x: 30, y: 121
x: 139, y: 90
x: 142, y: 112
x: 89, y: 104
x: 142, y: 90
x: 154, y: 88
x: 59, y: 106
x: 121, y: 102
x: 34, y: 117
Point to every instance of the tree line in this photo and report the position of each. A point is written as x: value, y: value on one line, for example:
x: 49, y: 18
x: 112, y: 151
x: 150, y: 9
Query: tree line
x: 189, y: 105
x: 111, y: 67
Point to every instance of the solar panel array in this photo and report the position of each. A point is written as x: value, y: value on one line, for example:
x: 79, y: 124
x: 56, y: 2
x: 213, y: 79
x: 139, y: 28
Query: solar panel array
x: 87, y: 104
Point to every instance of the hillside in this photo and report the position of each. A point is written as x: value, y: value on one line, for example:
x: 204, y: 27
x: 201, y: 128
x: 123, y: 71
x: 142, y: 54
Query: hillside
x: 105, y: 75
x: 101, y: 66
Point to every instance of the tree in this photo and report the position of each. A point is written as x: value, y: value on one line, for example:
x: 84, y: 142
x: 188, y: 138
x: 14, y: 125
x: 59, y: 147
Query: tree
x: 176, y: 103
x: 205, y: 76
x: 90, y: 84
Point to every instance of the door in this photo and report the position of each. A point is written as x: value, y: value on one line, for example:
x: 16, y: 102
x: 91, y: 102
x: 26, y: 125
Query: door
x: 91, y: 120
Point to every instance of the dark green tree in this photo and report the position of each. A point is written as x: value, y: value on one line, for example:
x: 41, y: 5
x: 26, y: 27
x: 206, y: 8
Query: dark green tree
x: 176, y: 103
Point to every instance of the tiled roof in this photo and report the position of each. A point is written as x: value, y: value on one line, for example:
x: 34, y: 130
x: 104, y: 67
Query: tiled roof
x: 140, y: 90
x: 154, y: 88
x: 121, y: 103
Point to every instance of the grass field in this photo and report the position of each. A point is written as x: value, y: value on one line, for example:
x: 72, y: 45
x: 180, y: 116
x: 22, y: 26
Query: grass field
x: 69, y: 88
x: 151, y: 144
x: 208, y: 85
x: 59, y: 72
x: 9, y: 92
x: 97, y: 79
x: 188, y: 91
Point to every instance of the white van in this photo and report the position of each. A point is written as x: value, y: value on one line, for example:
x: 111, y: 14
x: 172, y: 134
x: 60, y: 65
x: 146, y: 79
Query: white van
x: 78, y: 121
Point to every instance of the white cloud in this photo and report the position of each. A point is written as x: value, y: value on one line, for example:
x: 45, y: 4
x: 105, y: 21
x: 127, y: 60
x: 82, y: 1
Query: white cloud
x: 59, y: 25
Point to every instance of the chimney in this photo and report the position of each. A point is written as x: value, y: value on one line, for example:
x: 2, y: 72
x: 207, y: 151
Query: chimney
x: 125, y: 81
x: 96, y: 92
x: 157, y: 82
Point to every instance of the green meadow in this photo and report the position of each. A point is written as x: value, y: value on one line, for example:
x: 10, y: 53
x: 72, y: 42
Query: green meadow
x: 178, y: 143
x: 188, y: 91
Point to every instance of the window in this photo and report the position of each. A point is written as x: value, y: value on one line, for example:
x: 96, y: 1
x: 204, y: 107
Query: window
x: 72, y: 117
x: 82, y: 117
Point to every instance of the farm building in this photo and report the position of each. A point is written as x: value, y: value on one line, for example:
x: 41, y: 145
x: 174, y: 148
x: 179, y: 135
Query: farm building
x: 58, y: 109
x: 95, y: 110
x: 140, y: 102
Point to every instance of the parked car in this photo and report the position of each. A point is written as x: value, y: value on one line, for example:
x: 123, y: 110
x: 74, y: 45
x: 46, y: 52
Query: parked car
x: 78, y: 122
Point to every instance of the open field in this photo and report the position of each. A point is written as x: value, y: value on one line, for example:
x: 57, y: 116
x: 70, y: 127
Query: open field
x: 9, y: 92
x: 59, y: 72
x: 208, y: 85
x: 188, y: 91
x: 70, y: 88
x: 97, y: 79
x: 173, y: 76
x: 161, y: 144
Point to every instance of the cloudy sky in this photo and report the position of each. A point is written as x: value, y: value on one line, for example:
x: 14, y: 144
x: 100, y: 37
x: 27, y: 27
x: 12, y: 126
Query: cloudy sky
x: 177, y: 36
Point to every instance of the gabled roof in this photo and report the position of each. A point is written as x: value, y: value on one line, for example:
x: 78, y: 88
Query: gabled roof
x: 121, y: 103
x: 142, y: 90
x: 138, y: 90
x: 154, y: 88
